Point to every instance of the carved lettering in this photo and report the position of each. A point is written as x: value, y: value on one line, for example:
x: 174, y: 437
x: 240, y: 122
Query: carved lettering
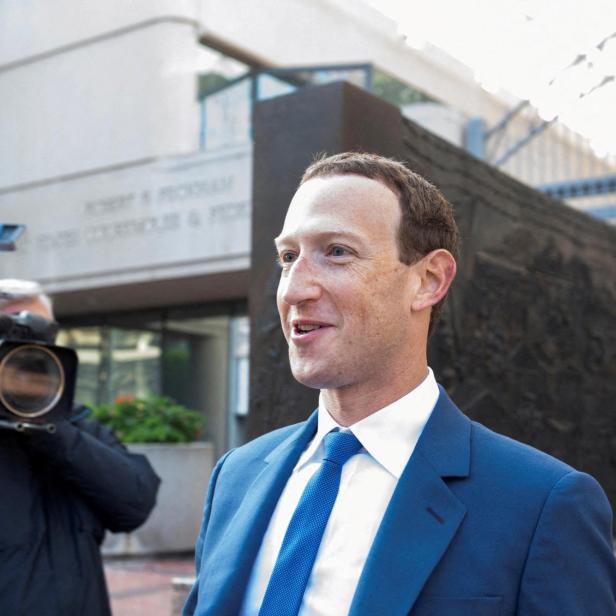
x: 136, y: 227
x: 109, y: 205
x: 195, y: 189
x: 228, y: 212
x: 58, y: 240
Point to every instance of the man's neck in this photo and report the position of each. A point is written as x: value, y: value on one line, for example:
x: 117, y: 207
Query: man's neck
x: 348, y: 405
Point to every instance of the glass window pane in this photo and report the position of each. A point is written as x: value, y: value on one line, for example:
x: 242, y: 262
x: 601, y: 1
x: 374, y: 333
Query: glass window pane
x: 87, y: 343
x: 270, y: 86
x: 226, y: 116
x: 195, y: 373
x: 190, y: 359
x: 216, y: 70
x: 135, y: 363
x: 395, y: 91
x: 240, y: 354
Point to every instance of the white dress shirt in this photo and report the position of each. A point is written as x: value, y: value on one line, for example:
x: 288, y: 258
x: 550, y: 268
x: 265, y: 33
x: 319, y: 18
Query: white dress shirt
x: 368, y: 480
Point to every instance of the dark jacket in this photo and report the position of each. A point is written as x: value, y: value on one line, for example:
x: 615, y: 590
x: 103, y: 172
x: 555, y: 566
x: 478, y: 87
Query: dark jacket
x: 58, y: 494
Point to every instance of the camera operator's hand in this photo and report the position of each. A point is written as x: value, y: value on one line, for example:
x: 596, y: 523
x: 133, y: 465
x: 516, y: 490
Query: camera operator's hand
x: 120, y: 487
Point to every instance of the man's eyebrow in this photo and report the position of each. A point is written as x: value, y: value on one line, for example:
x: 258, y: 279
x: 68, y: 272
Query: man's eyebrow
x: 320, y: 235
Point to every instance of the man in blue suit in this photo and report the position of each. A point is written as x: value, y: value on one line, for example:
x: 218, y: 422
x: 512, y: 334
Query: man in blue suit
x: 388, y: 501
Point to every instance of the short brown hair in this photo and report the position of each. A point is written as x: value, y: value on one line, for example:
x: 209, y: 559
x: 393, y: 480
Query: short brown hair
x: 426, y: 222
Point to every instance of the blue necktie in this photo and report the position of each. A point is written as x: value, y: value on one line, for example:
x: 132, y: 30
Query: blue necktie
x: 287, y: 583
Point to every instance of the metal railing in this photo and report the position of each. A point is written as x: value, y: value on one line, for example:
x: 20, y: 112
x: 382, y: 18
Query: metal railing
x: 226, y: 111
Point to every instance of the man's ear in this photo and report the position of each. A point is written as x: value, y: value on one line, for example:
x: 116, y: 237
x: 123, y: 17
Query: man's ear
x: 436, y: 272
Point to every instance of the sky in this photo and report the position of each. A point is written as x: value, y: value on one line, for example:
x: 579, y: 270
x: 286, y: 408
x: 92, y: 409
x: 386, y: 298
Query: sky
x: 559, y: 54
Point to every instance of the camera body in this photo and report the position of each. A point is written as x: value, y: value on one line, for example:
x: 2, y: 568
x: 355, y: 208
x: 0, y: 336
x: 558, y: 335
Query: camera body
x: 37, y: 378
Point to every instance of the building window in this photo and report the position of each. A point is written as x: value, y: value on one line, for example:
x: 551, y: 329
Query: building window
x: 200, y: 362
x: 218, y: 69
x: 395, y: 91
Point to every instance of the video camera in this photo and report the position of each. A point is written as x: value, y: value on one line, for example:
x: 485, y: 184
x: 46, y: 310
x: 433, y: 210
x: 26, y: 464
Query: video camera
x: 37, y: 378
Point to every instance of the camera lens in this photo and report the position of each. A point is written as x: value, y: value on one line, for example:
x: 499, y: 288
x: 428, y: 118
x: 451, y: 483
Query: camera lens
x: 31, y: 380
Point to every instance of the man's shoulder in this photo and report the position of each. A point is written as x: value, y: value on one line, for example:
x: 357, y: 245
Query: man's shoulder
x: 490, y: 454
x: 515, y: 481
x: 501, y: 455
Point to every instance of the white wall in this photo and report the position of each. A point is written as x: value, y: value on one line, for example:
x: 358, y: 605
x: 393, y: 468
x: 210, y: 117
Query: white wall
x: 174, y: 218
x: 106, y: 102
x: 33, y: 27
x: 444, y: 121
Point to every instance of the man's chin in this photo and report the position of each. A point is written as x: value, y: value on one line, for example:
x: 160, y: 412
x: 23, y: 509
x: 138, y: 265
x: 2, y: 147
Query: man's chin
x: 310, y: 376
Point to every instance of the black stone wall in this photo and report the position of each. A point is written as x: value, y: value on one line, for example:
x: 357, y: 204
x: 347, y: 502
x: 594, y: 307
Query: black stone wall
x: 527, y: 342
x: 288, y: 132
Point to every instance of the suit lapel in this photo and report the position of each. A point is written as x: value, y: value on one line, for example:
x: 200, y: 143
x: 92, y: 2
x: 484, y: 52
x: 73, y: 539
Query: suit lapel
x: 230, y: 563
x: 421, y: 520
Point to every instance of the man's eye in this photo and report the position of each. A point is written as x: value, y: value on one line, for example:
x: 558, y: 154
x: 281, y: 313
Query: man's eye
x: 338, y: 251
x: 287, y: 257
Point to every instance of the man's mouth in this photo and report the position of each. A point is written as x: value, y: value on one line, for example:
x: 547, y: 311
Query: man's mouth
x: 305, y: 328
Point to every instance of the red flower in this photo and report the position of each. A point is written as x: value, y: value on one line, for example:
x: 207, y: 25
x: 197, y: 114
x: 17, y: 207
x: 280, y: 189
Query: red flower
x: 123, y: 399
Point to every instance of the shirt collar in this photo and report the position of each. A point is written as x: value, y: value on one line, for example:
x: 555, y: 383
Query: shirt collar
x: 314, y: 451
x: 390, y: 434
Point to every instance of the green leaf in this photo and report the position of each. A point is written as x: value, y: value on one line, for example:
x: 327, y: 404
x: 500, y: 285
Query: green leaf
x: 156, y: 419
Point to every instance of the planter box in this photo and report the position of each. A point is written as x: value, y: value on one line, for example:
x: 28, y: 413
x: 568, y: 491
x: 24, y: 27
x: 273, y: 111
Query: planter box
x: 174, y: 523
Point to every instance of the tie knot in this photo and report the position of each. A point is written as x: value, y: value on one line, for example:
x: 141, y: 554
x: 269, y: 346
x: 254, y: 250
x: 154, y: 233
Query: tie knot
x: 340, y: 446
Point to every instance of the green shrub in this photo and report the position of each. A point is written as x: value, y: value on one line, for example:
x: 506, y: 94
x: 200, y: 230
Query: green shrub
x: 150, y: 420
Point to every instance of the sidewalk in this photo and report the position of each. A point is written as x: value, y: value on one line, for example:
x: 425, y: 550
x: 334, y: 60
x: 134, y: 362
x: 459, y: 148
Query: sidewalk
x: 139, y: 586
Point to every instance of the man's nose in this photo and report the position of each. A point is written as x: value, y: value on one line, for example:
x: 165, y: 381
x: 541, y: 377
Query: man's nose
x: 300, y: 283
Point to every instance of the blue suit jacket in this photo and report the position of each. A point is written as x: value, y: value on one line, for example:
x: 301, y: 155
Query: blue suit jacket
x: 478, y: 525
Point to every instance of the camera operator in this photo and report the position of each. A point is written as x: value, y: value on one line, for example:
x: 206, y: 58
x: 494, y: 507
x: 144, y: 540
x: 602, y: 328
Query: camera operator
x: 59, y: 491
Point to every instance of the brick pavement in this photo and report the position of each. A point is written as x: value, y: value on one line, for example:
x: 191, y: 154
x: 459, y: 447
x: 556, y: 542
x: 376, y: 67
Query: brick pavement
x: 139, y: 586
